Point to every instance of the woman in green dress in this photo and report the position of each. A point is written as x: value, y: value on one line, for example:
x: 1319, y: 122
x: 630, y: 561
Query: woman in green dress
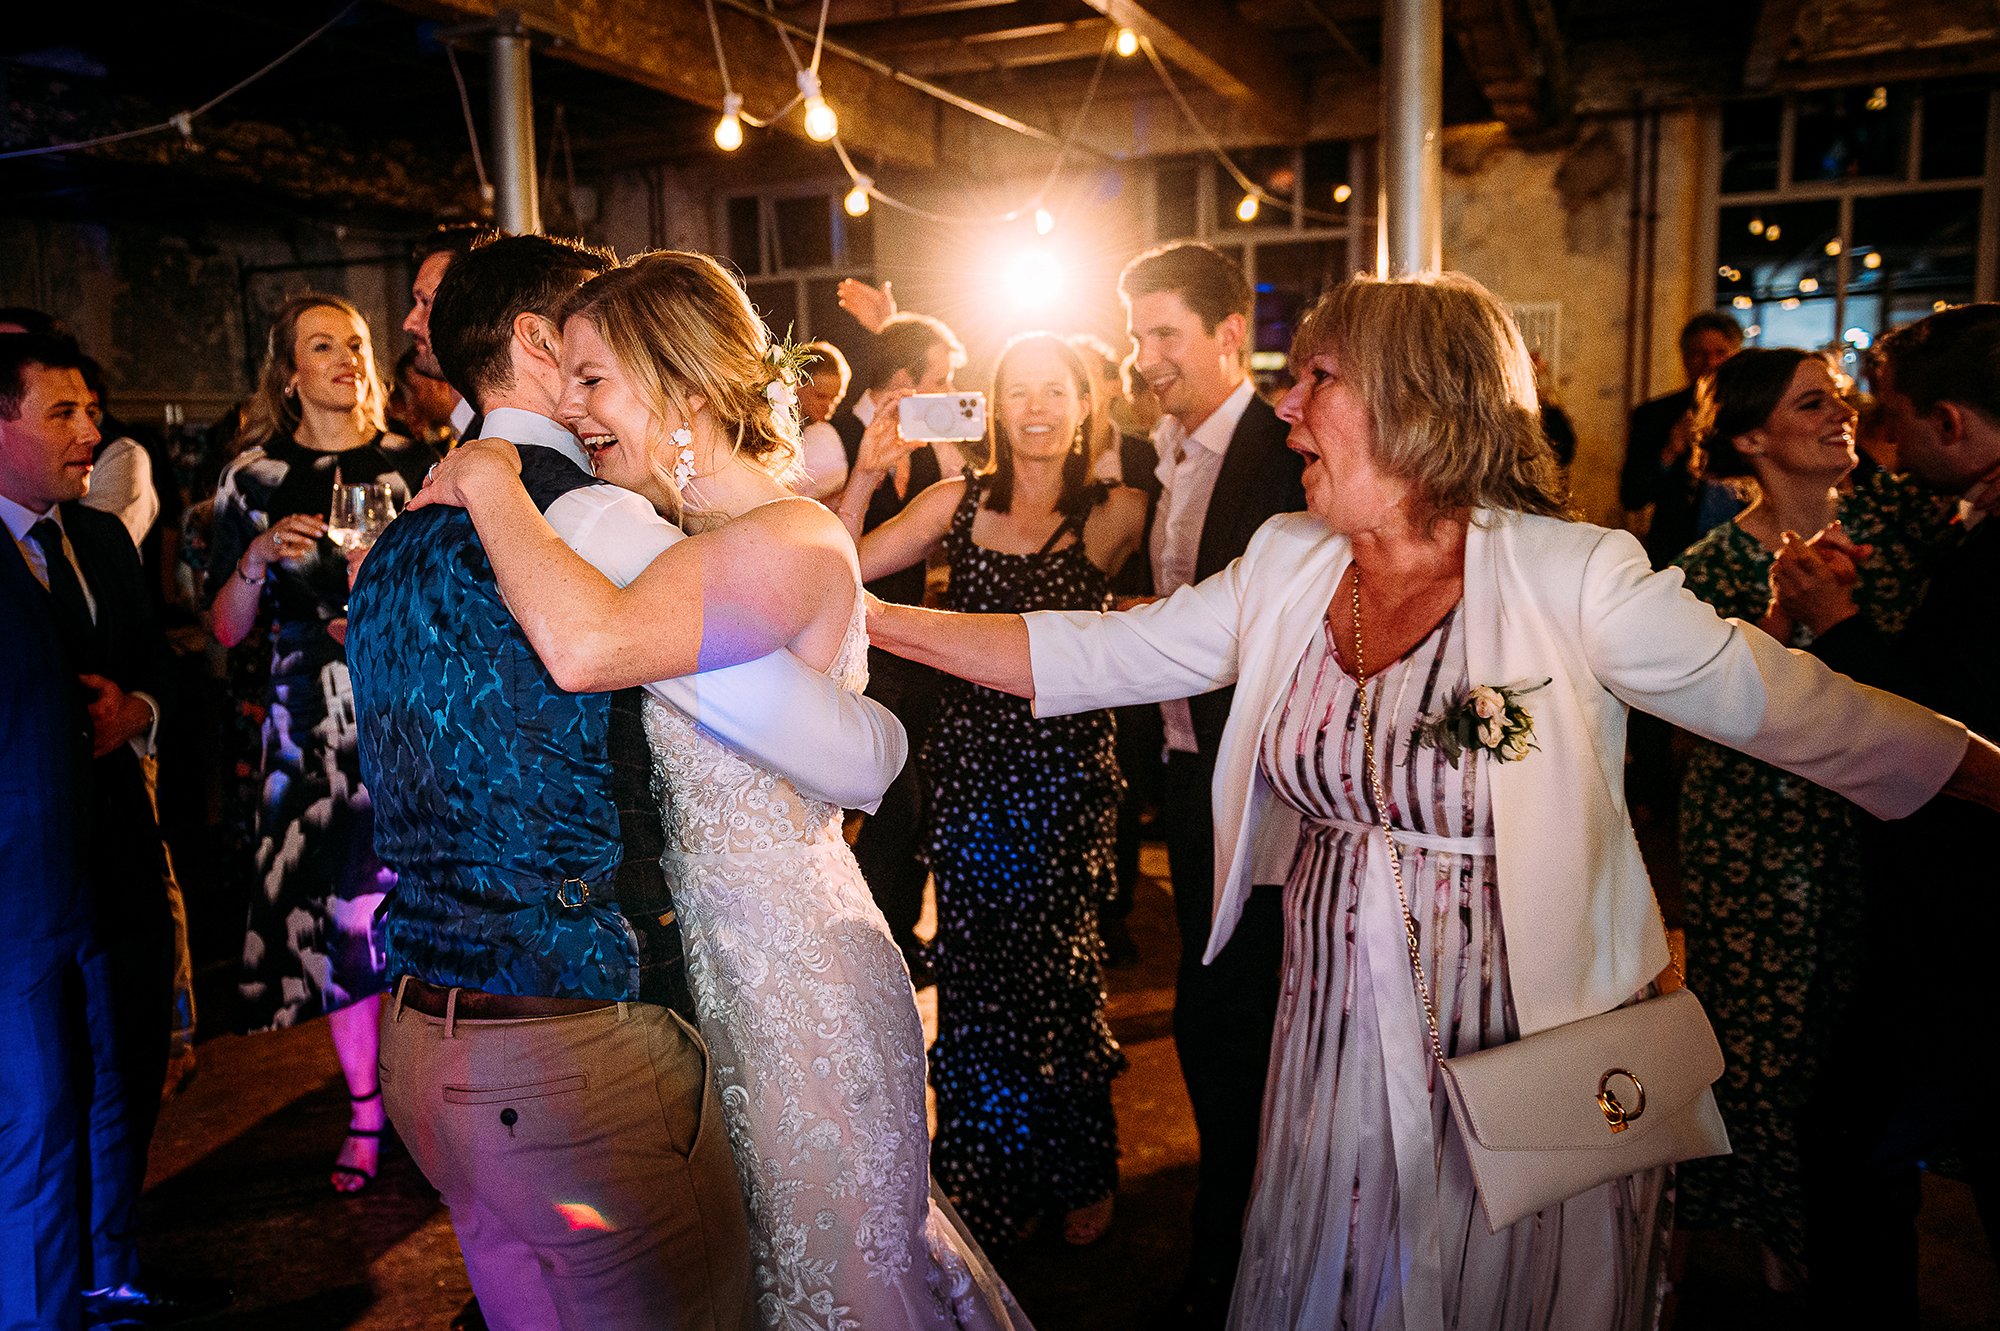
x: 1770, y: 866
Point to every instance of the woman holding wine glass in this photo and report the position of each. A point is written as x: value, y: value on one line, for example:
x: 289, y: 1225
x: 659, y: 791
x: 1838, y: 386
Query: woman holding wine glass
x: 312, y: 431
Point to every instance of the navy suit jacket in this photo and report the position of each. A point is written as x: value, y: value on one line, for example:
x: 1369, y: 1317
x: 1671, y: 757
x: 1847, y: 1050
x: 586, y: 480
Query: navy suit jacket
x: 44, y: 758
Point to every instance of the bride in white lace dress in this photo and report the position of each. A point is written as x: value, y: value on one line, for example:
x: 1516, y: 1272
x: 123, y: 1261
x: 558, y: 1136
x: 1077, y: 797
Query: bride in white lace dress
x: 803, y: 999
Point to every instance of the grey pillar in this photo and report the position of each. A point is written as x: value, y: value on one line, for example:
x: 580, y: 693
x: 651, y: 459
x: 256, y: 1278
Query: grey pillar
x: 516, y: 210
x: 1411, y: 209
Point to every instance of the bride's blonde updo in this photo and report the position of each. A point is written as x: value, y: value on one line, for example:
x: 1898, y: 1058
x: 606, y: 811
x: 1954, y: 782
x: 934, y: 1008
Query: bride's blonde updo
x: 681, y: 327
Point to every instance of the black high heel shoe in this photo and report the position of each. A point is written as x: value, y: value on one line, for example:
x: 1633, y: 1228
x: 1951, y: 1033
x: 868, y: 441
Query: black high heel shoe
x: 377, y: 1135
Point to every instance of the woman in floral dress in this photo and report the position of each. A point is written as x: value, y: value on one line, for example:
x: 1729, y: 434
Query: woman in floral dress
x: 1770, y: 862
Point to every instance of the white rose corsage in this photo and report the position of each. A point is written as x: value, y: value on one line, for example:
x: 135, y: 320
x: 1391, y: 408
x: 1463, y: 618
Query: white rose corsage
x: 785, y: 361
x: 1488, y: 717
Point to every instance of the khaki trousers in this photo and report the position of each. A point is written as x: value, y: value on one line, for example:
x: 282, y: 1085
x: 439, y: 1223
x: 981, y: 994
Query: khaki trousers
x: 585, y: 1164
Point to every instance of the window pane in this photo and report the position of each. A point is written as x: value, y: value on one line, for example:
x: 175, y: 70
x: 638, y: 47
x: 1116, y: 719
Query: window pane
x: 805, y: 232
x: 1850, y: 132
x: 1750, y: 145
x: 1291, y: 275
x: 1329, y: 186
x: 1954, y: 132
x: 743, y: 250
x: 1774, y: 273
x: 1177, y: 191
x: 1273, y: 170
x: 777, y: 302
x: 1924, y: 249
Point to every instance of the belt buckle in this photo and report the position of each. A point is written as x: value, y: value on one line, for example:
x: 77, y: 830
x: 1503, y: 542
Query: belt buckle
x: 572, y: 892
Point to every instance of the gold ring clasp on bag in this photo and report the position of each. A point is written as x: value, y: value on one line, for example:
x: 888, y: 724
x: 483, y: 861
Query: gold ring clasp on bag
x: 1614, y: 1111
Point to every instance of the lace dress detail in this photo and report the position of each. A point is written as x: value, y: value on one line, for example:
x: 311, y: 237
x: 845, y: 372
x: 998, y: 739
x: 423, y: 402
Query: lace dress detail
x: 815, y: 1045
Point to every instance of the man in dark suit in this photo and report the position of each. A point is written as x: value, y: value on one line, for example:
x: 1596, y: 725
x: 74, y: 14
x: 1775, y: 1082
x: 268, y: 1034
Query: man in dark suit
x: 113, y: 658
x: 1907, y: 1078
x: 1659, y: 447
x: 1223, y: 470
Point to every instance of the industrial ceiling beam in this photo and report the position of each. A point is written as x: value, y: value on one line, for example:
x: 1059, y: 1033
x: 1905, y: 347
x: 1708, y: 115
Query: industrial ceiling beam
x: 1205, y: 39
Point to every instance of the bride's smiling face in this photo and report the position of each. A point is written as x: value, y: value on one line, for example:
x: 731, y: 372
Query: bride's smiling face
x: 628, y: 442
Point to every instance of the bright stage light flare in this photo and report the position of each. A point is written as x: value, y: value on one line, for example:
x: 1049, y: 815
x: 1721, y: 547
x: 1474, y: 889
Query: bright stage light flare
x: 1035, y: 278
x: 1128, y: 43
x: 1045, y: 221
x: 729, y: 129
x: 856, y: 202
x: 821, y: 123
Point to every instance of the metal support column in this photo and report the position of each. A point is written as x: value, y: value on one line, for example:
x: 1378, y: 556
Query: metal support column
x: 1412, y: 119
x: 516, y: 209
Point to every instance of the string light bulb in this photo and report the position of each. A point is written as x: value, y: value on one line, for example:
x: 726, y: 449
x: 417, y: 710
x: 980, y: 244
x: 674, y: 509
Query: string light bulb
x: 1127, y: 44
x: 856, y: 201
x: 1832, y: 248
x: 1872, y: 259
x: 1246, y: 211
x: 729, y: 129
x: 1756, y: 226
x: 1045, y: 221
x: 1809, y: 285
x: 821, y: 122
x: 1342, y: 193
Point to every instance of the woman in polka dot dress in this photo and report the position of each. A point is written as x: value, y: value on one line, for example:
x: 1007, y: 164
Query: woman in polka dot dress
x: 1023, y: 811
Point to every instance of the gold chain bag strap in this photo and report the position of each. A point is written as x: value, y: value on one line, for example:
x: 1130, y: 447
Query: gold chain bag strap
x: 1556, y: 1113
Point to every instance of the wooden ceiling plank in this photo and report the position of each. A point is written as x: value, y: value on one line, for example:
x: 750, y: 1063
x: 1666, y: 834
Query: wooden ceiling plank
x: 1205, y: 38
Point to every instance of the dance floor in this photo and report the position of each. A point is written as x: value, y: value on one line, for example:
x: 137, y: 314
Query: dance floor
x: 238, y: 1188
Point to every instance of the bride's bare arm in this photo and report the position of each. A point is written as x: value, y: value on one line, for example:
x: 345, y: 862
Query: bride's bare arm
x: 991, y: 650
x: 731, y: 595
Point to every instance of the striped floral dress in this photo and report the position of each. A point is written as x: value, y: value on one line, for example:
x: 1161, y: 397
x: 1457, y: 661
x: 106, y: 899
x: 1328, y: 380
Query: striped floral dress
x: 1364, y: 1214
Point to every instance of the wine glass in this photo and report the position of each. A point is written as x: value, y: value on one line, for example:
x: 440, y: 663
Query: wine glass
x: 361, y: 512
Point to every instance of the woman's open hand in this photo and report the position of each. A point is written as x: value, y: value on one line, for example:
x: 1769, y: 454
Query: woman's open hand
x: 465, y: 469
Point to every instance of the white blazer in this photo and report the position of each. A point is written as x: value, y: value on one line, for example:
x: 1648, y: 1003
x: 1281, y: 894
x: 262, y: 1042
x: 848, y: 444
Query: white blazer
x: 1576, y: 604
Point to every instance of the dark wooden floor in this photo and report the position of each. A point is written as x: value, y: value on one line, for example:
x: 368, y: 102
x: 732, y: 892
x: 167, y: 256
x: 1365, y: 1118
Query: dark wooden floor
x: 238, y: 1188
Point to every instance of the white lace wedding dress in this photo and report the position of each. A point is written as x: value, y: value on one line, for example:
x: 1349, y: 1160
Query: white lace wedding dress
x: 816, y: 1046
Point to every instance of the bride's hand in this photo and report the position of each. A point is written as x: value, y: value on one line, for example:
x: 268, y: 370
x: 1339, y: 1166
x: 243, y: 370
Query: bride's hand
x: 465, y: 469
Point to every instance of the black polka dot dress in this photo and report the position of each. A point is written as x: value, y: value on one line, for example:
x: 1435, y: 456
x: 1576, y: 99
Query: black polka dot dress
x: 1023, y: 822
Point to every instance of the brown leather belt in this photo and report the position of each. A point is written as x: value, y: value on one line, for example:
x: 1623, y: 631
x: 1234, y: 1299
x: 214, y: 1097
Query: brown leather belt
x: 478, y: 1005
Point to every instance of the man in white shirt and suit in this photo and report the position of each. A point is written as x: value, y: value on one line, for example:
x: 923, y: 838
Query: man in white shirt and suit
x: 1224, y: 469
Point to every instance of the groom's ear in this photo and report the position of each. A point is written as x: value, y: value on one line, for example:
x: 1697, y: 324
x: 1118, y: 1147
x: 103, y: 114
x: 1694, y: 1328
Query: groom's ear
x: 538, y: 338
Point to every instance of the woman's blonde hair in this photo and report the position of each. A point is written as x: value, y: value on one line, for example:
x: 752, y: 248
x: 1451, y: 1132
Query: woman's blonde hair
x: 1449, y: 388
x: 273, y: 410
x: 681, y: 327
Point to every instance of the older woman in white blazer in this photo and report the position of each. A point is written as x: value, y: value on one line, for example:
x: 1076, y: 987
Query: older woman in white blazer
x: 1434, y: 559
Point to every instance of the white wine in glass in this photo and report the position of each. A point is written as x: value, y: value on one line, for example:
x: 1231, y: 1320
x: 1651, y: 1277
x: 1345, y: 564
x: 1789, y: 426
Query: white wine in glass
x: 347, y: 520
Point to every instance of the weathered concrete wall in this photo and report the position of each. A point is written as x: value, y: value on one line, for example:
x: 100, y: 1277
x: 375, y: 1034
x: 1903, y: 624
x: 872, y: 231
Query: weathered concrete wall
x: 1553, y: 226
x: 178, y: 316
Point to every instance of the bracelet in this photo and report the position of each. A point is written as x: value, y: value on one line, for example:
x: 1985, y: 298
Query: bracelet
x: 254, y: 582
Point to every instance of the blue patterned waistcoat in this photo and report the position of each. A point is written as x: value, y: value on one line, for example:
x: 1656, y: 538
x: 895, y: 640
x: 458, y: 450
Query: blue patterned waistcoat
x: 518, y: 817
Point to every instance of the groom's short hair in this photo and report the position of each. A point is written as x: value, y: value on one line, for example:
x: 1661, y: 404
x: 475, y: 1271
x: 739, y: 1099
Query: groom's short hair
x: 487, y: 288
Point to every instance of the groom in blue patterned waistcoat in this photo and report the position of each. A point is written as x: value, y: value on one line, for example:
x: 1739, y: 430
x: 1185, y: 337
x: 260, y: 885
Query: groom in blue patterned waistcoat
x: 539, y: 1057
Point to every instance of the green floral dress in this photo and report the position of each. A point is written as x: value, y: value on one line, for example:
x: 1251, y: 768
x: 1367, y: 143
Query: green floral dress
x: 1773, y: 885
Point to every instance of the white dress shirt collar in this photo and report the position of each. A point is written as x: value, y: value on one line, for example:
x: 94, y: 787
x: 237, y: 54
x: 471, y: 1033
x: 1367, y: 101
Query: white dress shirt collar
x: 19, y: 519
x: 461, y: 417
x: 1215, y: 433
x: 519, y: 426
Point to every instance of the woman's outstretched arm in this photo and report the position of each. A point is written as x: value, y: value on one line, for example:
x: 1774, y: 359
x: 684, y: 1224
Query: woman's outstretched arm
x: 731, y: 595
x: 991, y: 650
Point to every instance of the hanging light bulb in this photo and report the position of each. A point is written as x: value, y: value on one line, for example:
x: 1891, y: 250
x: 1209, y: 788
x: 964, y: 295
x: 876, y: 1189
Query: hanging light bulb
x: 821, y: 123
x: 1756, y: 226
x: 1773, y: 231
x: 1871, y: 260
x: 729, y: 129
x: 1128, y: 43
x: 1742, y: 302
x: 1809, y: 285
x: 856, y: 201
x: 1246, y: 211
x: 1832, y: 248
x: 1342, y: 193
x: 1045, y: 221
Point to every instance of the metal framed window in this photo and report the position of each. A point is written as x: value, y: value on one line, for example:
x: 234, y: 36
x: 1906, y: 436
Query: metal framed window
x: 1841, y: 213
x: 793, y: 245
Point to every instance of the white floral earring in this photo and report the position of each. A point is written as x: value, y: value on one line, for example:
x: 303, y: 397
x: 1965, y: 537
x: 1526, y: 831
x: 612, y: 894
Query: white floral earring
x: 684, y: 460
